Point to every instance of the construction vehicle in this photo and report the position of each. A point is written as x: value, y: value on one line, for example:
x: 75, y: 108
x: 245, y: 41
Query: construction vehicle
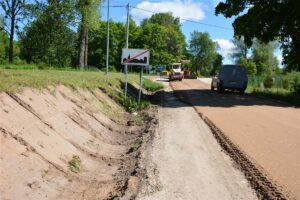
x: 175, y: 72
x: 188, y: 74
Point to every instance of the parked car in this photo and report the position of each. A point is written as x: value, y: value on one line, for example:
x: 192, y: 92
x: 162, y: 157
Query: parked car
x: 233, y: 77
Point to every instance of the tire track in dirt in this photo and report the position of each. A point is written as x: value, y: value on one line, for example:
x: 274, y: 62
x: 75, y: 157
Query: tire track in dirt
x: 258, y: 180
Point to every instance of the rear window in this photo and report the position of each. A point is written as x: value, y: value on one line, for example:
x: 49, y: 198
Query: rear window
x: 233, y: 71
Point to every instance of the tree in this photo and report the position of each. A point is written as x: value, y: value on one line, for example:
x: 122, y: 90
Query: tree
x: 89, y: 14
x: 263, y: 57
x: 250, y: 65
x: 4, y: 43
x: 240, y: 50
x: 267, y: 21
x: 49, y: 39
x: 161, y: 34
x: 204, y: 51
x: 13, y: 10
x: 217, y: 64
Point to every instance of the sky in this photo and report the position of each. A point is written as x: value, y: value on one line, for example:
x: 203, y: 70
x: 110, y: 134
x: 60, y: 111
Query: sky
x: 201, y: 11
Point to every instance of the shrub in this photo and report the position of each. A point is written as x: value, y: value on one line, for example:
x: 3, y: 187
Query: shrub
x: 75, y: 164
x: 296, y: 86
x: 286, y: 84
x: 268, y: 82
x: 131, y: 105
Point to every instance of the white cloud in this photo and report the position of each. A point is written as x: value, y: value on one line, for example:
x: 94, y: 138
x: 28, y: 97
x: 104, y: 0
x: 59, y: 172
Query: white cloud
x: 187, y: 9
x: 226, y: 48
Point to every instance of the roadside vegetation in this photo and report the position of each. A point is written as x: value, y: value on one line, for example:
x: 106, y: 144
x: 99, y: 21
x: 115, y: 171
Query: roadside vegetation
x: 285, y: 88
x: 13, y: 80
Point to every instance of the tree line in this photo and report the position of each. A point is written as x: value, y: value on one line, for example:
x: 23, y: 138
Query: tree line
x: 70, y: 33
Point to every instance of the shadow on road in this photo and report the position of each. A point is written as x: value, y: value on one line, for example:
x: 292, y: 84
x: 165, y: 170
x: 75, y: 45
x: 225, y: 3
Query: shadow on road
x: 208, y: 98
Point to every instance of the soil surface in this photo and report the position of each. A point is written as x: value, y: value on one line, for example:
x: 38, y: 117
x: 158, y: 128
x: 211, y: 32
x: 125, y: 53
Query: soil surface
x: 185, y: 160
x: 58, y: 143
x: 266, y: 131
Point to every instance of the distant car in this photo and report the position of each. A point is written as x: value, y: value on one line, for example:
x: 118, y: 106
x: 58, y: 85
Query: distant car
x: 233, y: 77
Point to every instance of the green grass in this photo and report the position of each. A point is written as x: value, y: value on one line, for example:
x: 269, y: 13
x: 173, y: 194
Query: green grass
x: 276, y: 93
x: 14, y: 80
x: 152, y: 86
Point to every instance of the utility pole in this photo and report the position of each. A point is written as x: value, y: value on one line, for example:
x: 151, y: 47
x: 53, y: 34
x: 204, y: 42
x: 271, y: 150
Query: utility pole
x: 107, y: 42
x: 127, y: 38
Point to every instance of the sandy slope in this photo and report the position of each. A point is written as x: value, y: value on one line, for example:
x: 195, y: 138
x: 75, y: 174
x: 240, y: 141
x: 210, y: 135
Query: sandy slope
x: 42, y: 130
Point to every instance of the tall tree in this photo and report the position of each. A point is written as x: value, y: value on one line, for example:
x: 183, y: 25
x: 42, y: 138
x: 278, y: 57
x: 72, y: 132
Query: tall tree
x: 263, y: 57
x: 240, y: 50
x: 3, y: 42
x: 49, y: 38
x: 267, y: 21
x: 161, y: 34
x: 13, y: 10
x: 89, y: 14
x: 204, y: 51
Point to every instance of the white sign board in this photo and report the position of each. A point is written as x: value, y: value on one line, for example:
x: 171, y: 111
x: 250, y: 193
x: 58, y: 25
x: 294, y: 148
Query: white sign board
x: 135, y: 57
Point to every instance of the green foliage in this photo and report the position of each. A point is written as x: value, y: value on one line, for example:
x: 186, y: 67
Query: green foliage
x: 48, y: 39
x: 264, y: 20
x: 152, y: 86
x: 249, y: 64
x: 4, y: 45
x: 75, y: 164
x: 130, y: 104
x: 163, y: 36
x: 268, y: 82
x: 296, y: 86
x: 89, y: 13
x: 263, y: 57
x: 240, y: 50
x: 204, y: 51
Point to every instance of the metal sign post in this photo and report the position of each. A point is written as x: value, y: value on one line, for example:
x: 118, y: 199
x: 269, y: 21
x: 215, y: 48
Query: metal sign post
x: 141, y: 83
x: 127, y: 38
x: 107, y: 42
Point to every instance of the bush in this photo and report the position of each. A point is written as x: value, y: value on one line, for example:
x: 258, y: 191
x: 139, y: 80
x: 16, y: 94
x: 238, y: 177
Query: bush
x: 131, y: 105
x: 286, y: 84
x: 296, y: 86
x: 268, y: 82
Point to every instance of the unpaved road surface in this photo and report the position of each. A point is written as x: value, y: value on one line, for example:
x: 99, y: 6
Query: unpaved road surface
x: 187, y: 161
x: 266, y: 131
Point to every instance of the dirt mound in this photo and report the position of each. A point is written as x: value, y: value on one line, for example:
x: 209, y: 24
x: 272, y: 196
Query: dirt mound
x: 63, y: 143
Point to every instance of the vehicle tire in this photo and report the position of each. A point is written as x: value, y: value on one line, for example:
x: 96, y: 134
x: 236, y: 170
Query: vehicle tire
x: 220, y: 88
x: 180, y: 79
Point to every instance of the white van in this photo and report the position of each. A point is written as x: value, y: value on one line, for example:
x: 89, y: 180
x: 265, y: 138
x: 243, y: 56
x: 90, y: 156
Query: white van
x: 233, y: 77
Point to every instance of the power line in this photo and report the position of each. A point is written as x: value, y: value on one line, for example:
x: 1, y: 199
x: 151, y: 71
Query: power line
x: 187, y: 20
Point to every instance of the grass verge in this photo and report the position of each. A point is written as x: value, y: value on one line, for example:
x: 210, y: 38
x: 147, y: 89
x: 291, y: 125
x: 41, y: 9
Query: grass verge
x: 152, y: 86
x: 276, y: 93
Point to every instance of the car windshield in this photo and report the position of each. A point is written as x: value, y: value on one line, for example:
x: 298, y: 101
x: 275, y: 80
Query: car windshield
x: 175, y: 67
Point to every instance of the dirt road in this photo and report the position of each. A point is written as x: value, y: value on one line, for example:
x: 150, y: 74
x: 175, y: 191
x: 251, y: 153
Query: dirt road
x: 187, y: 161
x: 266, y: 131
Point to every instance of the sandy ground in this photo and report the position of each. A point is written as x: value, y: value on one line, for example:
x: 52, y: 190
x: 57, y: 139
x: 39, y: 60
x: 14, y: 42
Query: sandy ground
x: 41, y: 131
x: 186, y: 161
x: 267, y: 131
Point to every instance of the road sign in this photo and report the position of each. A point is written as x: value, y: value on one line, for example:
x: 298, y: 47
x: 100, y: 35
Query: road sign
x: 135, y: 57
